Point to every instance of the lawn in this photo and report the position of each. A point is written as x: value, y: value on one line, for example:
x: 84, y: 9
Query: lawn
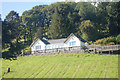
x: 62, y: 66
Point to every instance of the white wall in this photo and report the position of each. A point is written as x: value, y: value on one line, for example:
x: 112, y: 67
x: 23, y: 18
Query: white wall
x: 82, y: 43
x: 73, y: 38
x: 38, y: 42
x: 52, y: 46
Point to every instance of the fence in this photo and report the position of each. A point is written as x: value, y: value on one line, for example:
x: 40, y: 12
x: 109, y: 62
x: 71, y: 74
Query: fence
x: 75, y: 49
x: 100, y: 49
x: 111, y: 47
x: 65, y: 50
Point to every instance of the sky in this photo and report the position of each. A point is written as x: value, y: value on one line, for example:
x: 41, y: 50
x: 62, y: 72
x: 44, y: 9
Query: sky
x: 22, y: 5
x: 19, y: 7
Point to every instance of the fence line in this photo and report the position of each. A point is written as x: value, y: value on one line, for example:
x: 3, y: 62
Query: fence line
x: 111, y: 47
x: 75, y: 49
x: 65, y: 50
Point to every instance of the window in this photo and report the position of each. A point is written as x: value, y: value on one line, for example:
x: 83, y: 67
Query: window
x: 47, y: 47
x: 72, y: 43
x: 38, y: 47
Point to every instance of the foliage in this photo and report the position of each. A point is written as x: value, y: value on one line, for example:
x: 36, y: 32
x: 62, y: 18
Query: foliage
x: 88, y: 30
x: 86, y: 10
x: 12, y: 30
x: 39, y: 33
x: 118, y: 39
x: 60, y: 19
x: 27, y: 48
x: 111, y: 43
x: 107, y: 41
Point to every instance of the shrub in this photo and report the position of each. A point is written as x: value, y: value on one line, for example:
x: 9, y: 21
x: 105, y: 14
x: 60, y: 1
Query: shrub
x: 111, y: 43
x: 118, y: 39
x: 108, y: 41
x: 27, y: 49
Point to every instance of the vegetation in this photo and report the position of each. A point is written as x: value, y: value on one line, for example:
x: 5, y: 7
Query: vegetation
x: 108, y: 41
x: 58, y: 20
x: 62, y: 66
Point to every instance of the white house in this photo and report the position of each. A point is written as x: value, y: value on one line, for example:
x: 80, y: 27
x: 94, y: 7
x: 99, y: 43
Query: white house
x: 70, y: 41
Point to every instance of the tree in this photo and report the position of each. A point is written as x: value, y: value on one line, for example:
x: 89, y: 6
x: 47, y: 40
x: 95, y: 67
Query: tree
x: 74, y: 21
x: 11, y: 35
x: 113, y: 17
x: 88, y: 30
x: 39, y: 33
x: 56, y: 28
x: 86, y: 10
x: 58, y: 20
x: 107, y: 18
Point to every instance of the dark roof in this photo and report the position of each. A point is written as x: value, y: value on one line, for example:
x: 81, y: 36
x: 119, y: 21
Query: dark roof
x: 80, y: 38
x: 45, y: 41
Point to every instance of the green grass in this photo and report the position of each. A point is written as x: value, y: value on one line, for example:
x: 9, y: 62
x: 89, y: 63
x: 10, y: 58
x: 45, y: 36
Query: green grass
x: 62, y: 66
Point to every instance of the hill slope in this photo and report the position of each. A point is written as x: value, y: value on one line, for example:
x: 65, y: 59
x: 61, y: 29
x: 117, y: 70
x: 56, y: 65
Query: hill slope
x: 63, y: 66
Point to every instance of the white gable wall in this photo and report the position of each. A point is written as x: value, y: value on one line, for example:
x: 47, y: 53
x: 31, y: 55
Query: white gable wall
x: 38, y: 43
x: 74, y: 38
x: 71, y: 39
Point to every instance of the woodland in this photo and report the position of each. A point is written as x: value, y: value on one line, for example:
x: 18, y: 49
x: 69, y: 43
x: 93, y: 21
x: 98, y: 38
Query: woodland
x: 95, y: 22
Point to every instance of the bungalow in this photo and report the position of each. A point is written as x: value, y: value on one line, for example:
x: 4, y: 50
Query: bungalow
x: 70, y: 41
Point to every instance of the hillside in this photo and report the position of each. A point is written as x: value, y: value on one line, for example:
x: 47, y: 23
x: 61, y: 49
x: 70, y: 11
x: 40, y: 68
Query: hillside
x: 59, y: 20
x: 62, y: 66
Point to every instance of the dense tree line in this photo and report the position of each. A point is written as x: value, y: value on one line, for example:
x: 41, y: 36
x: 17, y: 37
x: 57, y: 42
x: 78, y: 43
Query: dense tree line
x: 91, y: 21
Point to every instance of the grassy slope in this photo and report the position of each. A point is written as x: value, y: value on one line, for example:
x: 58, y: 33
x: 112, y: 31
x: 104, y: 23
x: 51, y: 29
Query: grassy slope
x: 63, y: 66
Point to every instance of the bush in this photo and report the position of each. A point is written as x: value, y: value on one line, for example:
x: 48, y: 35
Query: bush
x: 8, y: 55
x: 108, y: 41
x: 118, y: 39
x: 111, y: 43
x: 27, y: 49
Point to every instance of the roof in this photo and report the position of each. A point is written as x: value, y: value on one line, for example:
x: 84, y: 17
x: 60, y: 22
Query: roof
x: 76, y: 36
x: 57, y: 41
x: 54, y: 41
x: 44, y: 41
x: 34, y: 42
x: 80, y: 38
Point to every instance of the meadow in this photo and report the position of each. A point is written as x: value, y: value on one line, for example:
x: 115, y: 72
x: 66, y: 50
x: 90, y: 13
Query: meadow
x: 84, y: 65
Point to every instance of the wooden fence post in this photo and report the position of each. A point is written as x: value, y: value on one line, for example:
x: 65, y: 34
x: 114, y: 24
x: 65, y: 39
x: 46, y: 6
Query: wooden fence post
x: 8, y: 70
x: 95, y: 50
x: 109, y: 51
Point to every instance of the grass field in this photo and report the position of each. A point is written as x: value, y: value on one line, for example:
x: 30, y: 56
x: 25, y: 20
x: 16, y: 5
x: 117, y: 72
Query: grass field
x: 62, y: 66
